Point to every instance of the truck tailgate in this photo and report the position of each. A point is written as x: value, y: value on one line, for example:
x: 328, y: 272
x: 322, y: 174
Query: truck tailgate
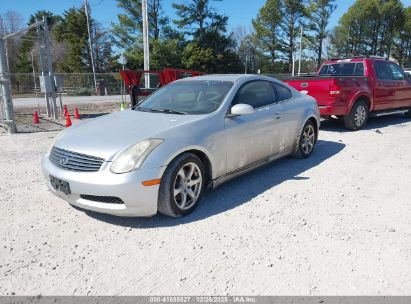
x: 317, y: 87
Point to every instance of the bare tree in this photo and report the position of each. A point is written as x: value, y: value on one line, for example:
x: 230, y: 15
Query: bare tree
x: 11, y: 22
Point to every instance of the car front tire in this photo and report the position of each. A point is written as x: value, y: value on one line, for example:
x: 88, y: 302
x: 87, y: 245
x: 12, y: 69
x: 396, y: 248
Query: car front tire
x: 182, y: 186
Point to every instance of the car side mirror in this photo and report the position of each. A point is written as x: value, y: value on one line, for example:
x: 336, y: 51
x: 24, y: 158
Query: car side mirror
x: 241, y: 109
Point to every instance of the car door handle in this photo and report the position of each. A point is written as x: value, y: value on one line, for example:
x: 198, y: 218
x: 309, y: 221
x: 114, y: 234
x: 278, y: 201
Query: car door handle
x: 277, y: 115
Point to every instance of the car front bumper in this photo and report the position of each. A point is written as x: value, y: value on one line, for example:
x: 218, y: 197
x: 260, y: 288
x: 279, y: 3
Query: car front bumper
x: 138, y: 200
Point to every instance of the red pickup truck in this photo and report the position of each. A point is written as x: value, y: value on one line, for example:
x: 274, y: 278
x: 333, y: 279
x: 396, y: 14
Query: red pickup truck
x: 356, y: 88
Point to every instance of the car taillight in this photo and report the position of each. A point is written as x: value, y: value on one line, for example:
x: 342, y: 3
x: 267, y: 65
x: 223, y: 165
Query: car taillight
x: 335, y: 88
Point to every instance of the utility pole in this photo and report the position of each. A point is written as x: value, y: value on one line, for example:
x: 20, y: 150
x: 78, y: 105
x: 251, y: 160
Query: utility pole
x: 5, y: 43
x: 146, y: 46
x: 293, y: 70
x: 40, y: 42
x: 50, y: 66
x: 34, y: 74
x: 5, y: 89
x: 90, y: 43
x: 301, y: 51
x: 123, y: 84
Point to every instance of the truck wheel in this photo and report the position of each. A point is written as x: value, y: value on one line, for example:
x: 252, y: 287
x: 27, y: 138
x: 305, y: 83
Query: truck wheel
x: 182, y: 186
x: 357, y: 117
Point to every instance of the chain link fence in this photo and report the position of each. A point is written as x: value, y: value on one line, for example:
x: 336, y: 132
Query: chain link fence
x: 28, y: 85
x: 78, y: 91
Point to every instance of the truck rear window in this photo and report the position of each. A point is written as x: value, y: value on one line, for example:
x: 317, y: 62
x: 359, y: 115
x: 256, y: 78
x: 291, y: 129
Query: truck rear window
x: 343, y: 69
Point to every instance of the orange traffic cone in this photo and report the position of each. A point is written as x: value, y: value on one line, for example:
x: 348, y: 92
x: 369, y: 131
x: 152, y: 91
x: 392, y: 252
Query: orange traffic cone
x: 36, y: 119
x: 65, y: 110
x: 68, y: 120
x: 76, y: 114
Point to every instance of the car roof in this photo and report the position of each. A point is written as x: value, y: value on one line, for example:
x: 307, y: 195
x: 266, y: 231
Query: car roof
x: 355, y: 60
x: 225, y: 77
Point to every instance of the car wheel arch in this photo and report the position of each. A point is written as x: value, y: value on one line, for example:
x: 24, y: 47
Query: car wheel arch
x: 309, y: 115
x: 202, y: 155
x: 364, y: 98
x: 316, y: 124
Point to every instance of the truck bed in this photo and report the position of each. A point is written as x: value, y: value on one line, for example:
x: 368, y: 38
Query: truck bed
x: 331, y: 92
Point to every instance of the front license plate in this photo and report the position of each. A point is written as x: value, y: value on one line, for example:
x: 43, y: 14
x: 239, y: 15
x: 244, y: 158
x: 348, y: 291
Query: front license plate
x: 60, y: 185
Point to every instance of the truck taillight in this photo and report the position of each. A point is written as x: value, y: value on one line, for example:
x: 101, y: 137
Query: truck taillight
x: 335, y: 87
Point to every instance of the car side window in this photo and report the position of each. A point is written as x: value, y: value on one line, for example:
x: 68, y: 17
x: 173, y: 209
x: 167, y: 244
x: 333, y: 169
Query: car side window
x: 383, y: 70
x: 282, y: 92
x: 256, y: 94
x: 359, y: 69
x: 397, y: 73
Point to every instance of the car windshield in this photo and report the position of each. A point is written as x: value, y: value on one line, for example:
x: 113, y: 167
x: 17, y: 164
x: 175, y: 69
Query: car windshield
x: 187, y: 97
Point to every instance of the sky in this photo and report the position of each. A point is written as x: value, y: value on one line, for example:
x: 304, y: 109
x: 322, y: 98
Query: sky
x: 240, y: 12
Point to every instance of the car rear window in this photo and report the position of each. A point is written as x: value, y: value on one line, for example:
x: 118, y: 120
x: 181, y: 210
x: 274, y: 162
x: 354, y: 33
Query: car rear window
x: 343, y: 69
x: 282, y: 92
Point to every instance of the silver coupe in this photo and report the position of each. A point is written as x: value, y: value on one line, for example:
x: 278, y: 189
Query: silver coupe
x: 190, y: 135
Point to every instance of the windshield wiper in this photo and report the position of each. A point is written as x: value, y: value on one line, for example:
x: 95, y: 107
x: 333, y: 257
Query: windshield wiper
x: 168, y: 111
x: 141, y: 109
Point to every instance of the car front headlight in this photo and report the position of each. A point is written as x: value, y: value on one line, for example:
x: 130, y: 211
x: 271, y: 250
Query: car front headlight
x: 133, y: 157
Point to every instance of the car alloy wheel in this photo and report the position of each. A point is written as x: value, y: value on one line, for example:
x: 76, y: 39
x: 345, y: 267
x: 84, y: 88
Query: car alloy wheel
x: 308, y: 140
x: 360, y: 115
x: 187, y: 186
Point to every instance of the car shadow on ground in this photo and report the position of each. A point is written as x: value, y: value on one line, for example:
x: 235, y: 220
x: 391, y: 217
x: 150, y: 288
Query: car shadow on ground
x: 380, y: 122
x: 237, y: 191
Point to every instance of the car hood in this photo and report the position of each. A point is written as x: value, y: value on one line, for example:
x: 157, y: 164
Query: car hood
x: 107, y: 135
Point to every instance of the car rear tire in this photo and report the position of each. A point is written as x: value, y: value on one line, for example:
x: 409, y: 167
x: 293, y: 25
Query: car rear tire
x: 357, y: 117
x: 182, y: 186
x: 307, y: 141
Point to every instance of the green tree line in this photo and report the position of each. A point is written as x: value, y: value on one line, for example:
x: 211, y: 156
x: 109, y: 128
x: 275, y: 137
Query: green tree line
x: 198, y: 38
x: 374, y: 27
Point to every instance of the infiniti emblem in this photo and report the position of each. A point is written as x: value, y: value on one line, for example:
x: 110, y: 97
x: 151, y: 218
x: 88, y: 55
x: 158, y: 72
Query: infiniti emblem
x: 63, y: 160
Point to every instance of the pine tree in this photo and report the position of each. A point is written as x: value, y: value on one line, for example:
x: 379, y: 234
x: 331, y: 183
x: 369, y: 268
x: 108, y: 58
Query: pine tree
x: 319, y: 15
x: 198, y: 17
x: 267, y: 29
x: 293, y: 13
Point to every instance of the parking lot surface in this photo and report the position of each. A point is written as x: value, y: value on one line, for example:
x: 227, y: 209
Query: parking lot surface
x: 336, y: 223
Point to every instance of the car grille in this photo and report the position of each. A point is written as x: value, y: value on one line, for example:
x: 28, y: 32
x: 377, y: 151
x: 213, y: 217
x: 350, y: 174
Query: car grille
x: 75, y: 161
x: 102, y: 199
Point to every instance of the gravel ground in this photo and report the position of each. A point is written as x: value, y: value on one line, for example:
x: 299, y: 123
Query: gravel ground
x: 337, y: 223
